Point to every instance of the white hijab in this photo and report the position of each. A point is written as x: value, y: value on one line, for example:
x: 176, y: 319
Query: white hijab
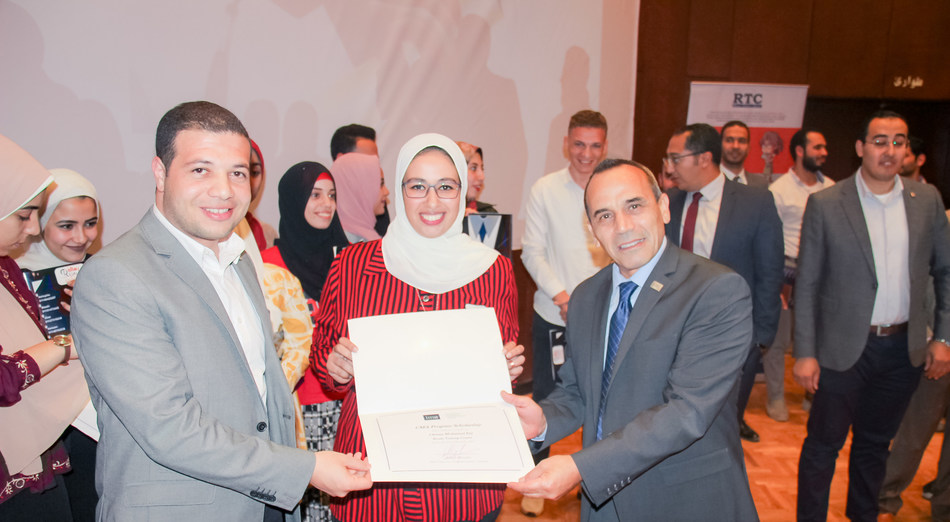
x: 67, y: 184
x: 440, y: 264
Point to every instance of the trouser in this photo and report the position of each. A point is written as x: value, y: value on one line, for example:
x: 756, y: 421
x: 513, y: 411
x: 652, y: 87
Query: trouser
x: 869, y: 399
x: 928, y: 404
x: 773, y: 360
x: 747, y: 378
x: 544, y: 371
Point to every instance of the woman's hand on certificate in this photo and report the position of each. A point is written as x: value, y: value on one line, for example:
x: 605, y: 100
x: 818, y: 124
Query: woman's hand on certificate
x: 340, y: 361
x: 514, y: 354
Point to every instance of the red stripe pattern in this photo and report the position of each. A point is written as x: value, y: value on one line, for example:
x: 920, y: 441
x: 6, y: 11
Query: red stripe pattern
x: 359, y: 286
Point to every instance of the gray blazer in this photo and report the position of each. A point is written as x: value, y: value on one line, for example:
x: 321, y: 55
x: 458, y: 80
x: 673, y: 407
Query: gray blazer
x: 185, y: 435
x: 757, y: 180
x: 837, y: 283
x: 673, y: 450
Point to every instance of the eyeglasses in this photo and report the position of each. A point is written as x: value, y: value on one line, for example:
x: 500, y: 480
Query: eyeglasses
x: 883, y: 141
x: 673, y: 160
x: 418, y: 189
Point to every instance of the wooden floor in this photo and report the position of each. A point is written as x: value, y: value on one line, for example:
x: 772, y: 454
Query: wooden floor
x: 772, y: 465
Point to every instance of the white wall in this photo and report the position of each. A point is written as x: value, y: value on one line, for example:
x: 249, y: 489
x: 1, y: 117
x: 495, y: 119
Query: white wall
x: 85, y: 82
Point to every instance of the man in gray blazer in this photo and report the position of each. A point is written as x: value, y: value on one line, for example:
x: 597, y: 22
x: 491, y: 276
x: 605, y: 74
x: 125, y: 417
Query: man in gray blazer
x: 735, y: 150
x: 195, y: 415
x: 868, y: 245
x: 655, y: 342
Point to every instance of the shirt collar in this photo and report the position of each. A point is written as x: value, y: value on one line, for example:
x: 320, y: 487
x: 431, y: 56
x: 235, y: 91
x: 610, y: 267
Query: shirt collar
x: 229, y: 250
x: 732, y: 176
x: 643, y: 273
x: 818, y: 176
x: 713, y: 190
x: 866, y: 193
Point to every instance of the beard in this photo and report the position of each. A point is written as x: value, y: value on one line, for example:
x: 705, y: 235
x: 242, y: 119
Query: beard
x: 811, y: 164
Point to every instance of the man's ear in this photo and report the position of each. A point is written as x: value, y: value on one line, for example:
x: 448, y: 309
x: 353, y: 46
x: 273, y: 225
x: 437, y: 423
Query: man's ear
x: 921, y: 159
x: 158, y: 170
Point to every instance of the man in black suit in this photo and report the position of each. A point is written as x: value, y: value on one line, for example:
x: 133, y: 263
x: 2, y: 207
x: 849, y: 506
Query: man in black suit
x: 732, y: 224
x: 657, y: 394
x: 868, y: 247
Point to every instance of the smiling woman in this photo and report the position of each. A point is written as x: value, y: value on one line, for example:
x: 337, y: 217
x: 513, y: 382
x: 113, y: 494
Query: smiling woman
x: 68, y: 226
x: 423, y: 263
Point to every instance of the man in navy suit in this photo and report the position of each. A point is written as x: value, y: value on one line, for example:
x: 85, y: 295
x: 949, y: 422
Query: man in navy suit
x: 732, y: 224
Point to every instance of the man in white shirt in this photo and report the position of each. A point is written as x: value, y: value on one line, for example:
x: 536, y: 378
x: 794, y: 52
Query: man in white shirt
x: 735, y: 150
x: 196, y: 417
x: 558, y: 249
x: 809, y: 151
x: 868, y: 245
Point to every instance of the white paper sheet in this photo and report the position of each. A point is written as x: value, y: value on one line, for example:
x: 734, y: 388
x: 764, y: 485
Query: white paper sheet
x: 428, y: 386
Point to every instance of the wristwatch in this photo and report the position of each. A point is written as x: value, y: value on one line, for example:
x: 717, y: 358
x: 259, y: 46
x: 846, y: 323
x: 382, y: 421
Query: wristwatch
x: 64, y: 342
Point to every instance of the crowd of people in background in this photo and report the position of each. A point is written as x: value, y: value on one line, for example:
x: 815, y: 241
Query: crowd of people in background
x: 215, y: 348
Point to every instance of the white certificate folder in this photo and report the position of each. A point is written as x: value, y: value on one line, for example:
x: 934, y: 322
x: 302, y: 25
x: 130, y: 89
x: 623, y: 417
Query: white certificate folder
x: 428, y: 387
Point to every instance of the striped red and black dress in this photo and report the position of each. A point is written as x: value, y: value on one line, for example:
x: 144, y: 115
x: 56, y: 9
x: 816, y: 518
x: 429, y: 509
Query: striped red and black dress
x: 359, y: 286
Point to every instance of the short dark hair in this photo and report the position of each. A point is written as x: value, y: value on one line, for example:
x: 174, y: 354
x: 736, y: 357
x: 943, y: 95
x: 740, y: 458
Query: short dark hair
x: 916, y: 145
x: 196, y: 115
x: 611, y: 163
x: 344, y: 138
x: 702, y: 137
x: 736, y: 123
x: 587, y: 118
x: 800, y: 139
x: 883, y: 113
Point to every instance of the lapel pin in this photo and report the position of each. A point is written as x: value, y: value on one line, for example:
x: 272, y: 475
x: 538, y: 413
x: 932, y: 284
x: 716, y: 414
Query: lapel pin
x: 913, y: 194
x: 656, y: 285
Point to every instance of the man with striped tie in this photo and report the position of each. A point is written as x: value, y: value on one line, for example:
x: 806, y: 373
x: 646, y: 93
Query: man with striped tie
x: 655, y: 343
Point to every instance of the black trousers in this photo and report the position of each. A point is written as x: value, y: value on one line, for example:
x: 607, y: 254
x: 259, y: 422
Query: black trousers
x: 747, y: 379
x: 870, y: 399
x: 543, y: 371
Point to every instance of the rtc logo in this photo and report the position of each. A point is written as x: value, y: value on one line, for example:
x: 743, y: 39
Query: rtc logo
x: 747, y: 99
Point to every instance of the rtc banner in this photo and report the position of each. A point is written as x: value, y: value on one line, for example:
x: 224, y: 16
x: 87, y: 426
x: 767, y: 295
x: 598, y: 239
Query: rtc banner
x: 773, y: 113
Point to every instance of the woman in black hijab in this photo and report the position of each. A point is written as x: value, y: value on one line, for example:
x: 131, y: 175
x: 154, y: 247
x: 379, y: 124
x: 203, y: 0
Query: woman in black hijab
x: 295, y: 270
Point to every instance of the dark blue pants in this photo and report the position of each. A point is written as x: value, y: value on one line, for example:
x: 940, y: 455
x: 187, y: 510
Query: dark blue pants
x: 869, y: 399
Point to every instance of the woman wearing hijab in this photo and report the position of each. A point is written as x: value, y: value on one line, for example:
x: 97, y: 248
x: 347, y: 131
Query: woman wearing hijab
x: 69, y: 224
x: 362, y: 194
x: 476, y: 179
x: 40, y: 391
x: 68, y: 227
x: 423, y: 263
x: 294, y: 273
x: 263, y: 233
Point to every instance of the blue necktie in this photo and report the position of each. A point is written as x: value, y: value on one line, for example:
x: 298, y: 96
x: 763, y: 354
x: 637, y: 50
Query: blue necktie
x: 618, y: 322
x: 482, y: 232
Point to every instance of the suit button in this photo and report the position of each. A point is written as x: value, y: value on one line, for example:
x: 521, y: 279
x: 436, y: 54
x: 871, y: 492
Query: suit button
x: 261, y: 426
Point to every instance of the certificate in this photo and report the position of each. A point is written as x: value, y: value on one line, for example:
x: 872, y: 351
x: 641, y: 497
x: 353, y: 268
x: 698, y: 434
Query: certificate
x: 428, y: 385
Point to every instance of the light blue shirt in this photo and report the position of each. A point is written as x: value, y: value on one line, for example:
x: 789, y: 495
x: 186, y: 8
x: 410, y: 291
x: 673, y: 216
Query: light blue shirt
x: 639, y: 277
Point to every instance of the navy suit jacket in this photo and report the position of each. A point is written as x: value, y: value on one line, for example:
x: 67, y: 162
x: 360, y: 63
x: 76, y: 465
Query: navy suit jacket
x: 748, y: 240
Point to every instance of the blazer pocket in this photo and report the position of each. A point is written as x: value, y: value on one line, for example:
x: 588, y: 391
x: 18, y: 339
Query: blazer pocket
x: 699, y: 467
x: 169, y: 493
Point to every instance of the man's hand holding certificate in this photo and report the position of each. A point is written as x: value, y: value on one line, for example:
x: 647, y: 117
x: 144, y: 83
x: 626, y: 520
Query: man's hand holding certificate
x: 428, y: 390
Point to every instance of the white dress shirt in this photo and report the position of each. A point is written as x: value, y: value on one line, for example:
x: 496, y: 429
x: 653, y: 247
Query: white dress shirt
x: 886, y: 220
x: 707, y: 216
x: 791, y: 195
x: 222, y: 274
x: 558, y: 249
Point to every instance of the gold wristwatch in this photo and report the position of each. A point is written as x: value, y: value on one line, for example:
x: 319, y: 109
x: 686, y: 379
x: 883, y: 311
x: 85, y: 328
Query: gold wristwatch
x: 66, y: 344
